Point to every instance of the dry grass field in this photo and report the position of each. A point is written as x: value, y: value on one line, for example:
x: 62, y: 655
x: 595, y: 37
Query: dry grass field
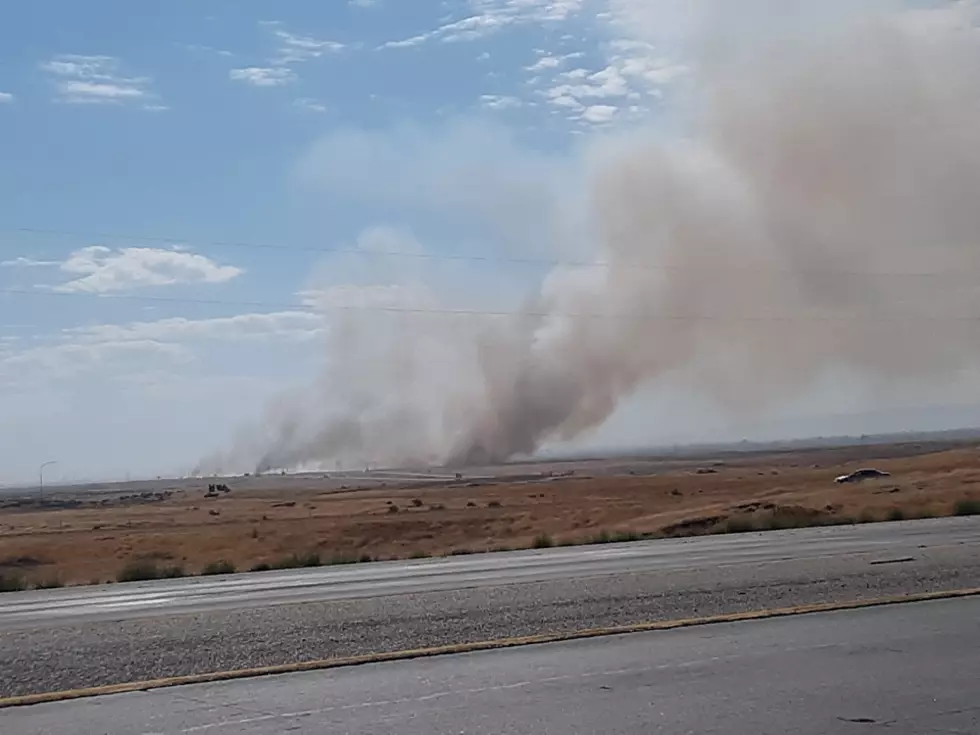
x: 186, y: 531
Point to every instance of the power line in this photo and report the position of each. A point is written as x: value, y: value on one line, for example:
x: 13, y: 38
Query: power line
x: 471, y: 257
x: 440, y: 311
x: 311, y: 248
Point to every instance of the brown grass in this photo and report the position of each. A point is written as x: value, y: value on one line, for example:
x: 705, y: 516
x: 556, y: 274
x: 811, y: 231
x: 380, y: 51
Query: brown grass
x: 270, y: 530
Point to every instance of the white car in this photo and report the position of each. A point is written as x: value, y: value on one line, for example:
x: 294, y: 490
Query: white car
x: 861, y: 475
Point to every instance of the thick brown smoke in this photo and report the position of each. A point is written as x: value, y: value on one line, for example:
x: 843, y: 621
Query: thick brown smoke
x: 822, y: 209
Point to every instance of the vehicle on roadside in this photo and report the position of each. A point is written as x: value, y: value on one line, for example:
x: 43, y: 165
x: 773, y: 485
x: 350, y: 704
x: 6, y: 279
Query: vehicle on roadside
x: 866, y: 473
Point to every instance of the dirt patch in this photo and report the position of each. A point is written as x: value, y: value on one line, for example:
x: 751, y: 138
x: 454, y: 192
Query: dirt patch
x: 22, y: 562
x: 250, y: 527
x: 693, y: 526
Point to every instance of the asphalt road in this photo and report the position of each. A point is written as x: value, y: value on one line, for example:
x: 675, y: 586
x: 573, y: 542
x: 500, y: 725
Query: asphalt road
x: 906, y: 669
x: 68, y: 638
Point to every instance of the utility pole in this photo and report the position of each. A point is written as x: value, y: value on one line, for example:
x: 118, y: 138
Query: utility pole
x: 40, y: 476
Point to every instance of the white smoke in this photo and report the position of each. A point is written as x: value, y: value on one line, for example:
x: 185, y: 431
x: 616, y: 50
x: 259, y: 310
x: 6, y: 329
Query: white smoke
x: 819, y: 211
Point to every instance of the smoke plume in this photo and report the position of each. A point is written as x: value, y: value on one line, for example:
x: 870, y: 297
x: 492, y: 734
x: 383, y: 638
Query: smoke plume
x: 820, y: 207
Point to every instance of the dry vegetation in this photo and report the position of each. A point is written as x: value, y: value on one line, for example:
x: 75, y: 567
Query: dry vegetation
x: 188, y: 533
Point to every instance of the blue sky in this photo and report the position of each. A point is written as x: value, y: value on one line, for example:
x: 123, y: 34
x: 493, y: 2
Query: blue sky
x: 192, y: 191
x: 174, y: 176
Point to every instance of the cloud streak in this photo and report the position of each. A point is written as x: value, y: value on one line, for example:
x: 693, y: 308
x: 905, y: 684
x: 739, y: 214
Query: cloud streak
x: 97, y: 80
x: 23, y: 262
x: 280, y: 68
x: 128, y: 350
x: 489, y: 17
x: 263, y: 76
x: 72, y: 359
x: 295, y: 48
x: 294, y: 325
x: 99, y: 269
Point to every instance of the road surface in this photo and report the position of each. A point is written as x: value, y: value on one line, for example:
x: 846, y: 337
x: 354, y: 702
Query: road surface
x: 89, y: 636
x: 906, y: 670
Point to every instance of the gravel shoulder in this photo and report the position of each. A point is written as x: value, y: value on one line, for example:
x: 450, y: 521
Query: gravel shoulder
x: 57, y: 658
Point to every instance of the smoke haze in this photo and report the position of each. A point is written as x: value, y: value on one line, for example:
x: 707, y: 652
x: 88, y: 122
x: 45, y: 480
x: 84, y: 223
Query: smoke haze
x: 819, y: 210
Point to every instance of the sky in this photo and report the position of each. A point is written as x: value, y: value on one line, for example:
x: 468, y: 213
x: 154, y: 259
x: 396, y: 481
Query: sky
x: 175, y: 177
x: 189, y: 189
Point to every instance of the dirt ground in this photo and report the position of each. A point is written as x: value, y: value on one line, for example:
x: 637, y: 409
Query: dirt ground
x: 186, y: 528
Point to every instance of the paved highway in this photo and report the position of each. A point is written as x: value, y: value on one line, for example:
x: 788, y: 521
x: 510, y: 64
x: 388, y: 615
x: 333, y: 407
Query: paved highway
x: 68, y: 638
x: 877, y: 542
x: 906, y: 670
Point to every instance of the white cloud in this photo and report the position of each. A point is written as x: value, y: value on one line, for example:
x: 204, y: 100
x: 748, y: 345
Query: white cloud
x: 130, y: 353
x: 545, y: 62
x: 205, y: 49
x: 640, y: 61
x: 589, y: 95
x: 602, y: 84
x: 81, y: 91
x: 566, y: 101
x: 364, y: 3
x: 96, y: 80
x: 550, y: 62
x: 500, y: 102
x: 263, y: 76
x: 464, y: 29
x: 6, y: 97
x: 292, y: 49
x: 302, y: 48
x: 530, y: 11
x: 125, y: 352
x: 103, y: 270
x: 634, y: 72
x: 407, y: 42
x: 22, y: 262
x: 299, y: 325
x: 70, y: 359
x: 599, y: 113
x: 475, y: 26
x: 487, y: 17
x: 310, y: 104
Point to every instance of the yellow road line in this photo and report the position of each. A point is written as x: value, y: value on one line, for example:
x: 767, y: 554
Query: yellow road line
x: 333, y: 663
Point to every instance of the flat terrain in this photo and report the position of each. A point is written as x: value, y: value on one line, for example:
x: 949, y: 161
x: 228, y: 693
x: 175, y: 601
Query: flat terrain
x: 81, y: 537
x: 906, y: 669
x: 86, y: 636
